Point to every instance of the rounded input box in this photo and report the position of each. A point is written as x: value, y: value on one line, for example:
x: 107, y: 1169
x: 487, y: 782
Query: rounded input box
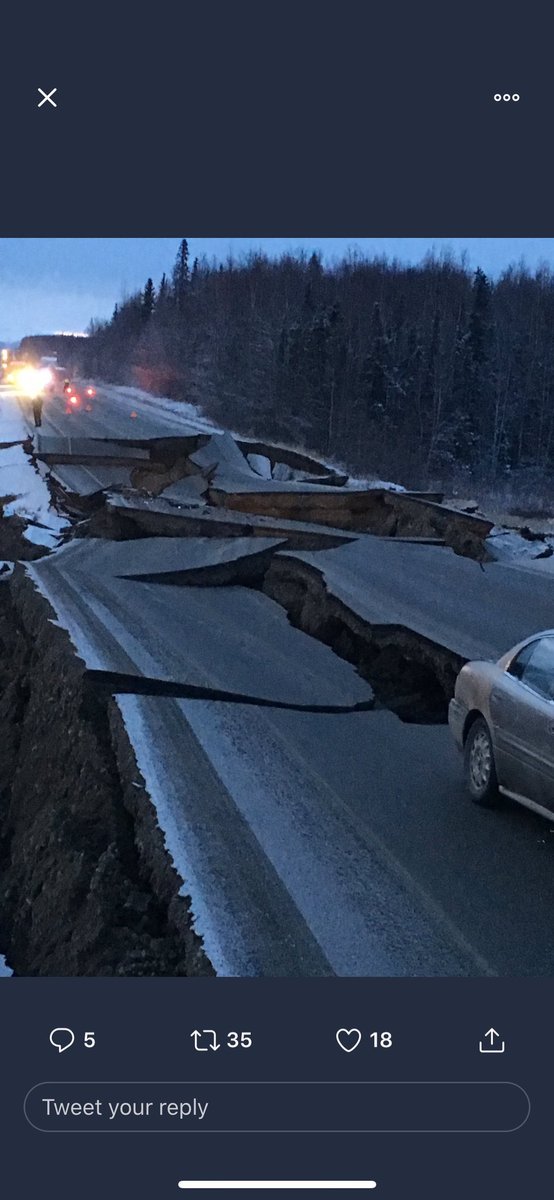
x: 277, y: 1107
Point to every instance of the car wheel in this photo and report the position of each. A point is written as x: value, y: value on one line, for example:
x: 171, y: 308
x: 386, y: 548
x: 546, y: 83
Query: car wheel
x: 479, y: 764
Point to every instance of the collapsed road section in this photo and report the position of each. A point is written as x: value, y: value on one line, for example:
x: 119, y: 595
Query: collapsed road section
x: 204, y: 768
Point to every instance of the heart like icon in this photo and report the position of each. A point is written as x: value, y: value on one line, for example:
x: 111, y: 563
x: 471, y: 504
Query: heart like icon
x: 348, y: 1039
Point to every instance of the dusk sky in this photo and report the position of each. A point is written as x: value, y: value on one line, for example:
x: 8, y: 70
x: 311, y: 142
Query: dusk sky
x: 50, y: 284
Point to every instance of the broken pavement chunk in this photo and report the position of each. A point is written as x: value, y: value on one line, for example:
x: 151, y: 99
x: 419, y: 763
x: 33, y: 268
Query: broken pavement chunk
x: 88, y: 451
x: 234, y: 639
x: 128, y: 516
x: 87, y: 481
x: 194, y: 561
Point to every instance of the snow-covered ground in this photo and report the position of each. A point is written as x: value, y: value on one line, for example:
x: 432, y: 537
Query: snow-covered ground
x: 4, y: 969
x: 365, y: 485
x: 509, y: 546
x: 13, y: 427
x: 24, y: 481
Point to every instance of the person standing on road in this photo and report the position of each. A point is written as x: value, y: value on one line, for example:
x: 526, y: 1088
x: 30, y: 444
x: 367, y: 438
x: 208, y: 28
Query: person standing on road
x: 38, y: 402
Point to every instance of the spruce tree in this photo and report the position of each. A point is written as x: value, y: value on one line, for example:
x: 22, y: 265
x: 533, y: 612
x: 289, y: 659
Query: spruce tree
x: 480, y: 321
x: 181, y: 275
x: 148, y: 300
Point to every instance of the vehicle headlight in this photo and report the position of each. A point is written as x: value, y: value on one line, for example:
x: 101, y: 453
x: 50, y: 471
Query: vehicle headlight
x: 28, y: 381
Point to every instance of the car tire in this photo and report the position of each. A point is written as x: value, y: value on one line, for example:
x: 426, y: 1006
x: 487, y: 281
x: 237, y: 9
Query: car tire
x: 480, y: 769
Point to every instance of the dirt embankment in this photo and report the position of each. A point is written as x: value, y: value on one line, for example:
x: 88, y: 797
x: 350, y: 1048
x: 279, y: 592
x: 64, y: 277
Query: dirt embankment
x: 87, y: 886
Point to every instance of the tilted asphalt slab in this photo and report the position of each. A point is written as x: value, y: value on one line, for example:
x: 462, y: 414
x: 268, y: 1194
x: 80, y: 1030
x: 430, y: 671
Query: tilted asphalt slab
x: 230, y: 472
x: 182, y: 518
x: 88, y: 481
x: 160, y: 559
x: 474, y: 610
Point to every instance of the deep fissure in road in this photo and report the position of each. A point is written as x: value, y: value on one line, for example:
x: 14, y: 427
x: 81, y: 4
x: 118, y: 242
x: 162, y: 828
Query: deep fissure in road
x: 411, y: 676
x: 87, y: 885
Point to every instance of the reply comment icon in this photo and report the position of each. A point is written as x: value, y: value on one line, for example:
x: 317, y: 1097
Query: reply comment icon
x: 62, y: 1039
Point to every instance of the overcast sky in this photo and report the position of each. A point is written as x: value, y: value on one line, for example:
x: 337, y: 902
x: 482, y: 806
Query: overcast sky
x: 48, y: 284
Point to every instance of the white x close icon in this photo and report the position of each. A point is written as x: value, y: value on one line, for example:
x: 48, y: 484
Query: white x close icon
x: 47, y: 97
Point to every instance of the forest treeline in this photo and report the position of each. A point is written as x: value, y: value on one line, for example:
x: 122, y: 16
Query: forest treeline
x: 421, y: 374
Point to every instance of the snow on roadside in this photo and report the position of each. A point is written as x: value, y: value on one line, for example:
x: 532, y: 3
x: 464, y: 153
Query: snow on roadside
x: 20, y: 478
x: 41, y: 537
x: 509, y: 546
x: 13, y: 427
x: 4, y: 968
x: 366, y: 485
x: 515, y: 551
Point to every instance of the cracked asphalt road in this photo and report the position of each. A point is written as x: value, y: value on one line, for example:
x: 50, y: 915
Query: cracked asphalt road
x: 309, y: 844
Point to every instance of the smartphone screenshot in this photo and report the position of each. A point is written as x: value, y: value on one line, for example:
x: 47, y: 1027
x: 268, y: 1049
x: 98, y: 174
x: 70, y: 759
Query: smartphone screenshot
x: 276, y: 605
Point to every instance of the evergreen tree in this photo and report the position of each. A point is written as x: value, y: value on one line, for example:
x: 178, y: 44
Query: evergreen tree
x: 148, y: 300
x: 479, y: 331
x: 180, y: 276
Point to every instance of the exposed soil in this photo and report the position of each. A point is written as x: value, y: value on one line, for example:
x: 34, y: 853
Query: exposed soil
x: 87, y: 885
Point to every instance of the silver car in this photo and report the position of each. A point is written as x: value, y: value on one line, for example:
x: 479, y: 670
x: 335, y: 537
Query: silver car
x: 502, y: 717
